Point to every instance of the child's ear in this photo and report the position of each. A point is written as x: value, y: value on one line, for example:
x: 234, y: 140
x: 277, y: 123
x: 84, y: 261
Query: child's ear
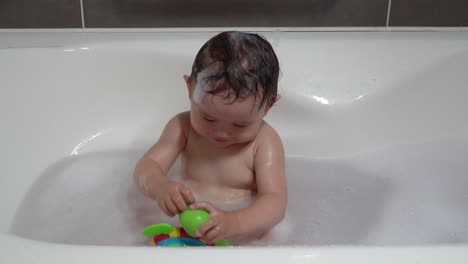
x: 188, y: 82
x: 271, y: 103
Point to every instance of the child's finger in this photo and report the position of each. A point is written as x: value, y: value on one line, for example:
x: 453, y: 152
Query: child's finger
x: 171, y: 207
x: 212, y: 235
x: 188, y: 196
x: 178, y: 201
x: 163, y: 207
x: 203, y: 229
x: 204, y: 205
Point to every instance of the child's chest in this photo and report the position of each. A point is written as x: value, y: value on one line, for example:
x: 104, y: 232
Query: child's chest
x: 230, y: 168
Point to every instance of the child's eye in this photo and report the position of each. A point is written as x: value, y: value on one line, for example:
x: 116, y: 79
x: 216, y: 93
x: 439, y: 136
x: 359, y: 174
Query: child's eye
x: 208, y: 119
x: 240, y: 125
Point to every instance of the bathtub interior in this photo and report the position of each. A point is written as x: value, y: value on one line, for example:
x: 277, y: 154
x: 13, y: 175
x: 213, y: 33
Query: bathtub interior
x: 412, y: 195
x: 373, y: 125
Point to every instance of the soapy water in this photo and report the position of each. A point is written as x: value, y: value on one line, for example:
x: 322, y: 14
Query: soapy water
x: 92, y: 200
x: 407, y: 195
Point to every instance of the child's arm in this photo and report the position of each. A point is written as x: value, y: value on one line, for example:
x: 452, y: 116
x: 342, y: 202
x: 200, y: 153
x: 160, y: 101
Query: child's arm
x: 270, y: 205
x: 150, y: 174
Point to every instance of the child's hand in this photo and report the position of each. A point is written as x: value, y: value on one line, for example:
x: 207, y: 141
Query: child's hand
x: 174, y: 197
x: 218, y: 227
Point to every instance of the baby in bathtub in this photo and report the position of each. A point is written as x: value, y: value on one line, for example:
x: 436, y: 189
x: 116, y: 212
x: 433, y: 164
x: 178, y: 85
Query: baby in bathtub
x: 229, y: 154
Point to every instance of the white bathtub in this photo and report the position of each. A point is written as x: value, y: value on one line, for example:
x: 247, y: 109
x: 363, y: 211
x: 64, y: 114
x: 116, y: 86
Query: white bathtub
x: 375, y: 127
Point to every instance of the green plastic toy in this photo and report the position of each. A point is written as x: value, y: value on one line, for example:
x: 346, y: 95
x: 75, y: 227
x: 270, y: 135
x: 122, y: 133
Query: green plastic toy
x: 191, y: 219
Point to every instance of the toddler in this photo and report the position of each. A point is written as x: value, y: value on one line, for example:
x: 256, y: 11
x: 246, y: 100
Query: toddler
x: 228, y: 153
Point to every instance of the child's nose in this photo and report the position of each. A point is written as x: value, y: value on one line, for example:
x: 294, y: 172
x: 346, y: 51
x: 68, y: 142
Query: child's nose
x: 222, y: 131
x: 221, y: 134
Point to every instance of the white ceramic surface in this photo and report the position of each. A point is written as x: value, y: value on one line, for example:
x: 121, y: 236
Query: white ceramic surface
x: 374, y: 126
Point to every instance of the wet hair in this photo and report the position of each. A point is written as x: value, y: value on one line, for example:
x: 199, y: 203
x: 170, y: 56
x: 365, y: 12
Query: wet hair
x: 239, y: 64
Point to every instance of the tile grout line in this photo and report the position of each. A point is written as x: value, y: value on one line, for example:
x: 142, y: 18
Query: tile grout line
x: 82, y: 15
x: 389, y: 8
x: 257, y: 29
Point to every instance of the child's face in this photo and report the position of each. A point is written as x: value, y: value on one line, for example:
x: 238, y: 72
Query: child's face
x: 222, y: 121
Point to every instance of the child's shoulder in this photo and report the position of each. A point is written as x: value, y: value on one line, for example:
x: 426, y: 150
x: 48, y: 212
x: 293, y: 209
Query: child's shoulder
x: 267, y: 135
x: 183, y: 117
x: 180, y: 121
x: 268, y: 142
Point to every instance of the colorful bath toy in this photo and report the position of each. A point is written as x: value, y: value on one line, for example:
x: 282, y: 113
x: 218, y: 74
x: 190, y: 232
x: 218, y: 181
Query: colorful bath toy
x: 191, y: 219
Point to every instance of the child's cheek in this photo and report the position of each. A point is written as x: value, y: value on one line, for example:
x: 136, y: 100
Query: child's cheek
x: 195, y: 122
x: 197, y: 125
x: 247, y: 135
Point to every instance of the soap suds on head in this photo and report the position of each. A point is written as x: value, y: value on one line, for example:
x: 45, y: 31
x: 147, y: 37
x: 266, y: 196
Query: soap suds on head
x: 216, y: 79
x: 210, y: 80
x: 238, y: 65
x: 199, y: 91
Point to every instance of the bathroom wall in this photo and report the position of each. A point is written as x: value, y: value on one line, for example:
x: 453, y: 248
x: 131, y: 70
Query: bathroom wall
x: 232, y: 13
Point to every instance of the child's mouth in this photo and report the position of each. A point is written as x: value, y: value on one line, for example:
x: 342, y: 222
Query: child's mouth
x: 220, y: 140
